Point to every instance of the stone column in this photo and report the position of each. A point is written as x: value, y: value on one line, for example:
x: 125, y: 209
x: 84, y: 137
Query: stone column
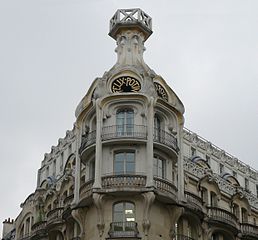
x: 77, y: 166
x: 149, y: 148
x: 180, y: 164
x: 98, y: 154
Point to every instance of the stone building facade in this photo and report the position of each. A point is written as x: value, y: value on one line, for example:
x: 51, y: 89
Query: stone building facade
x: 130, y: 170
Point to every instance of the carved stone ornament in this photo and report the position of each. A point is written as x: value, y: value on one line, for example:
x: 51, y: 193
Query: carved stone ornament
x: 148, y: 201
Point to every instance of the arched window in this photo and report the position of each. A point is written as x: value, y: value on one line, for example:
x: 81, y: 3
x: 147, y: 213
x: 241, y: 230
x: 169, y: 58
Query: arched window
x: 124, y: 121
x: 159, y: 165
x: 124, y: 162
x: 123, y: 216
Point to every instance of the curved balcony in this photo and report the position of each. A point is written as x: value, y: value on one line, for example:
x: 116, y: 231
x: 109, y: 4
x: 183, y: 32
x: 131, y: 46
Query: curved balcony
x: 165, y: 186
x: 39, y: 230
x: 182, y: 237
x: 123, y: 230
x: 124, y: 132
x: 219, y: 215
x: 165, y: 138
x: 194, y: 202
x: 54, y: 216
x: 86, y: 189
x: 249, y: 231
x: 121, y: 181
x: 87, y: 140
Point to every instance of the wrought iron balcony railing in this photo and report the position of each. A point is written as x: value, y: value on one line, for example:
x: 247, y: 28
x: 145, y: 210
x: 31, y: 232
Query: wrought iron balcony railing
x: 124, y: 131
x: 165, y: 186
x: 163, y: 137
x: 55, y: 215
x: 123, y: 180
x: 123, y: 229
x: 249, y: 229
x: 222, y: 215
x: 87, y: 140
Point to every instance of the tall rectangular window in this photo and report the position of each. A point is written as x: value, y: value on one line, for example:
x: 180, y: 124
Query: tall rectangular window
x: 193, y: 151
x: 125, y: 122
x: 124, y: 162
x: 246, y: 184
x: 221, y: 168
x: 158, y: 166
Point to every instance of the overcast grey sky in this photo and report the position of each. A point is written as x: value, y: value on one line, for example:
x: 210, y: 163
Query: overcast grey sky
x: 51, y: 51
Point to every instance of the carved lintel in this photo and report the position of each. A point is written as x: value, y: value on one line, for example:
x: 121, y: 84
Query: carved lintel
x: 148, y: 201
x: 79, y: 215
x: 98, y: 202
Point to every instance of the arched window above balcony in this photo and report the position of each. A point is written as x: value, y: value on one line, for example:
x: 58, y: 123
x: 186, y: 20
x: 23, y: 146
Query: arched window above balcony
x: 124, y: 121
x: 124, y: 162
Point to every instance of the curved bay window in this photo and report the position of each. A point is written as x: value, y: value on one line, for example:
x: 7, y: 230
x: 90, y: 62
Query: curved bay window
x: 124, y: 162
x: 124, y: 121
x: 123, y: 220
x: 159, y: 165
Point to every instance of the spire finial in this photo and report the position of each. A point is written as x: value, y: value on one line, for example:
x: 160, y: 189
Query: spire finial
x: 130, y: 28
x: 133, y: 18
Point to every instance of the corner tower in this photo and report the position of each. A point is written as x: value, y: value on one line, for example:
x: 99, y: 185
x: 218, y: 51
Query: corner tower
x: 129, y: 169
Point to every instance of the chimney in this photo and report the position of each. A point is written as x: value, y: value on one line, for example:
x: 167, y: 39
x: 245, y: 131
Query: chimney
x: 8, y: 225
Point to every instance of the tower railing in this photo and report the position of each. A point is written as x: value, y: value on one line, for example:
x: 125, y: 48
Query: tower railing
x: 124, y: 131
x: 123, y: 180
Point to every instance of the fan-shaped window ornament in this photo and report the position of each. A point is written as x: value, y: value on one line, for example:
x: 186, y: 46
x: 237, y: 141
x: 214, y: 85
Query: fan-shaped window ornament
x: 231, y: 179
x: 200, y: 162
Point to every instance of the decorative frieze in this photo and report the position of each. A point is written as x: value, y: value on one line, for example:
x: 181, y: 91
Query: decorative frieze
x: 220, y: 154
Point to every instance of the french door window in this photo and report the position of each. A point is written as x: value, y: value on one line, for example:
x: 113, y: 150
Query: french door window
x: 123, y: 216
x: 124, y: 122
x: 159, y: 166
x: 124, y: 162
